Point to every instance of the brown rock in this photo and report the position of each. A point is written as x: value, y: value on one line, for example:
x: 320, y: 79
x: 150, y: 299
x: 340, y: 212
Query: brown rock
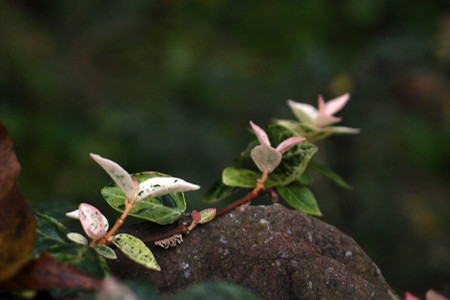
x: 274, y: 252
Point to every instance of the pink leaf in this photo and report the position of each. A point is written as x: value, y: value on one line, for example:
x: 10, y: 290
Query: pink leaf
x: 260, y: 134
x: 334, y: 105
x: 409, y: 296
x: 92, y: 221
x: 433, y: 295
x: 289, y: 143
x: 196, y: 217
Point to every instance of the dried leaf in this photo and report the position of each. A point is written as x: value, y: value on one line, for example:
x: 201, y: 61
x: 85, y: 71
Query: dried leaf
x: 17, y: 226
x: 47, y: 273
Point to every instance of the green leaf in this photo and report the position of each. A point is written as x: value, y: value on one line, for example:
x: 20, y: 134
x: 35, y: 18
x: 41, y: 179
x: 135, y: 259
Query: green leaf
x: 84, y: 258
x: 105, y: 251
x: 162, y: 210
x: 49, y: 232
x: 232, y: 176
x: 136, y: 250
x: 219, y: 191
x: 294, y: 161
x: 215, y: 290
x: 300, y: 198
x: 305, y: 179
x: 51, y: 238
x: 77, y: 238
x: 207, y: 215
x: 331, y: 175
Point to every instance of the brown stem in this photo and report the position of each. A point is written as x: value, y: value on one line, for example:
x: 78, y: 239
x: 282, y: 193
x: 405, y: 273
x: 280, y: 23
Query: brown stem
x: 181, y: 229
x: 105, y: 240
x: 258, y: 190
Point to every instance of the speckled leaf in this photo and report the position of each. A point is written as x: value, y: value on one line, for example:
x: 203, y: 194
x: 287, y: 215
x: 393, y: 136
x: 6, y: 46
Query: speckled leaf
x: 294, y: 161
x: 105, y: 251
x: 207, y: 215
x: 118, y: 174
x: 159, y: 186
x: 162, y: 210
x: 136, y: 250
x: 75, y: 214
x: 331, y: 175
x: 77, y: 238
x: 92, y: 221
x: 219, y: 191
x: 300, y: 198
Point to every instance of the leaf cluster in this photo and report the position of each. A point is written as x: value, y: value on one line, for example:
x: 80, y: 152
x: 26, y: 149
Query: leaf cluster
x: 291, y: 179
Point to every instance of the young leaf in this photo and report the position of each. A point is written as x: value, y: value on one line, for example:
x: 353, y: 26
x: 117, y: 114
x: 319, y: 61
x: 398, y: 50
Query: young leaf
x: 75, y: 214
x: 294, y: 161
x: 92, y: 221
x: 77, y: 238
x: 207, y: 215
x: 105, y: 251
x: 300, y: 198
x: 331, y: 175
x: 162, y: 210
x: 266, y: 158
x: 158, y: 186
x: 136, y: 250
x: 118, y: 174
x: 219, y: 191
x: 196, y: 217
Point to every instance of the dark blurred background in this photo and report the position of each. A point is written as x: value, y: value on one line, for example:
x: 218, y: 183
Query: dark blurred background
x: 171, y: 85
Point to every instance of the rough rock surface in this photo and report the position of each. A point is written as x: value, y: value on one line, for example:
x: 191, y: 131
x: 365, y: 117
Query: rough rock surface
x: 274, y: 252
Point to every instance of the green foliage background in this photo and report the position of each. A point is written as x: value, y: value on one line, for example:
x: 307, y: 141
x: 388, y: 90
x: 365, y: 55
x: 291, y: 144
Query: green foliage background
x: 171, y: 85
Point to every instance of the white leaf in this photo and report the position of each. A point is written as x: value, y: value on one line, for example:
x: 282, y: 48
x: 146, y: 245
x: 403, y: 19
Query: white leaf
x: 118, y: 174
x: 77, y: 238
x: 75, y: 214
x: 304, y: 112
x: 158, y: 186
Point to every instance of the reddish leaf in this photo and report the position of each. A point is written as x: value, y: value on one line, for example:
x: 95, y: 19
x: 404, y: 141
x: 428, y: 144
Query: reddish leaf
x: 17, y: 226
x: 196, y: 217
x: 46, y: 273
